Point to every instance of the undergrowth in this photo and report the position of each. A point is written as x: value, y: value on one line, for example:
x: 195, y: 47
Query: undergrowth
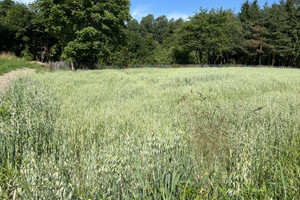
x: 9, y: 62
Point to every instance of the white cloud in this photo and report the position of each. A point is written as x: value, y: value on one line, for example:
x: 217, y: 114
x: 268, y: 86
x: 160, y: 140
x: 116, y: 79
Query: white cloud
x: 24, y: 1
x: 140, y: 11
x: 177, y: 15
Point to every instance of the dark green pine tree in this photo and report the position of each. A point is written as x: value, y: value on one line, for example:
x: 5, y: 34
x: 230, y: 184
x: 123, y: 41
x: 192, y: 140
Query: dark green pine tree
x: 251, y: 17
x: 297, y: 46
x: 279, y: 34
x: 244, y: 17
x: 297, y: 42
x: 293, y: 12
x: 256, y: 44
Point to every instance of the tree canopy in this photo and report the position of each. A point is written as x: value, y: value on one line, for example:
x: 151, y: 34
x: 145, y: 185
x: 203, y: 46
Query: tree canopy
x: 101, y: 32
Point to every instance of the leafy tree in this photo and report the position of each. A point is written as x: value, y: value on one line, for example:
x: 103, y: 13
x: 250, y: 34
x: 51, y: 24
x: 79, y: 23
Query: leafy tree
x: 157, y: 27
x: 7, y: 34
x: 133, y: 25
x: 146, y: 26
x: 93, y: 32
x: 21, y: 32
x: 19, y: 18
x: 147, y: 41
x: 160, y: 28
x: 87, y: 47
x: 180, y: 52
x: 74, y: 23
x: 134, y: 47
x: 169, y: 51
x: 173, y: 25
x: 212, y: 35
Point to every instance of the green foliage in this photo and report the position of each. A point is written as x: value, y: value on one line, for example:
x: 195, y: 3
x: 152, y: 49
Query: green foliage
x: 211, y: 35
x: 88, y: 47
x: 22, y: 33
x: 7, y: 177
x: 6, y: 33
x: 149, y: 42
x: 11, y: 62
x: 89, y: 34
x: 270, y: 33
x: 256, y: 36
x: 75, y: 23
x: 157, y: 27
x: 4, y: 111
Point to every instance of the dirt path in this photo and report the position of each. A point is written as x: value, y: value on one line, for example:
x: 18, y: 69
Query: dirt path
x: 5, y: 79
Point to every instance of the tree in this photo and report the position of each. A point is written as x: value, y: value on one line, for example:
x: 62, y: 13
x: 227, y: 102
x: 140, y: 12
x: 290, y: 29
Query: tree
x: 212, y: 35
x: 257, y: 43
x: 5, y: 5
x: 146, y: 26
x: 73, y: 23
x: 149, y: 42
x: 281, y: 24
x: 169, y: 51
x: 293, y: 12
x: 251, y: 17
x: 244, y: 17
x: 21, y: 32
x: 160, y: 28
x: 297, y: 40
x: 7, y: 34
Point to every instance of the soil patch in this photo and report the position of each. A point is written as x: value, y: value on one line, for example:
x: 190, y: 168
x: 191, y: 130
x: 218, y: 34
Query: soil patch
x: 5, y: 79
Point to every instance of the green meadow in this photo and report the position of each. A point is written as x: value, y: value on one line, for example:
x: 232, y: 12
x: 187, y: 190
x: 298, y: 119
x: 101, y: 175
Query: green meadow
x: 184, y: 133
x: 9, y: 62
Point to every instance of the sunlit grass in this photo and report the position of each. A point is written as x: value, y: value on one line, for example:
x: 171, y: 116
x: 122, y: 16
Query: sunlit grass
x: 152, y: 133
x: 9, y: 62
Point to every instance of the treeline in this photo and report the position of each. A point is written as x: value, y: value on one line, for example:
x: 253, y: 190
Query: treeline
x: 92, y: 33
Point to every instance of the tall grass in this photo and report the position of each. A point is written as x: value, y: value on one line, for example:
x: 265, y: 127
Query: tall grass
x: 227, y: 133
x: 9, y: 62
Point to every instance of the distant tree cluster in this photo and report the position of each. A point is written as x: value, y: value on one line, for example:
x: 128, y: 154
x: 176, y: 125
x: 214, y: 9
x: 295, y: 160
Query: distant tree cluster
x: 91, y: 32
x: 82, y: 32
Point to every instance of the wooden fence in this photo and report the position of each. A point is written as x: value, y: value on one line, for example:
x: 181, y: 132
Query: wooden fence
x: 59, y: 65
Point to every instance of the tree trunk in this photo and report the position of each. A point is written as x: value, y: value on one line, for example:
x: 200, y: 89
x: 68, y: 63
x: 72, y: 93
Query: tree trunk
x: 260, y: 54
x: 43, y: 54
x: 215, y: 62
x: 196, y: 56
x: 200, y: 58
x: 259, y: 59
x: 72, y: 65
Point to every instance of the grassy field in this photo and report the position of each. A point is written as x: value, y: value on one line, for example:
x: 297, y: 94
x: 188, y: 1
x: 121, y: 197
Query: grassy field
x: 189, y: 133
x: 9, y: 62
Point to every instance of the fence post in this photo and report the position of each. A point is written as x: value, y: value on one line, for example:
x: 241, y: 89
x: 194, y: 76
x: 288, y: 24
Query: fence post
x: 72, y: 65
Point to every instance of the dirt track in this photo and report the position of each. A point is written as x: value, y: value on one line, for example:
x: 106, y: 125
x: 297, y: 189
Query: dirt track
x: 5, y: 79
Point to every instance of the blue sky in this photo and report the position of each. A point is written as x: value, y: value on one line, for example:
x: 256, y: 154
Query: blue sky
x: 178, y: 8
x: 183, y: 8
